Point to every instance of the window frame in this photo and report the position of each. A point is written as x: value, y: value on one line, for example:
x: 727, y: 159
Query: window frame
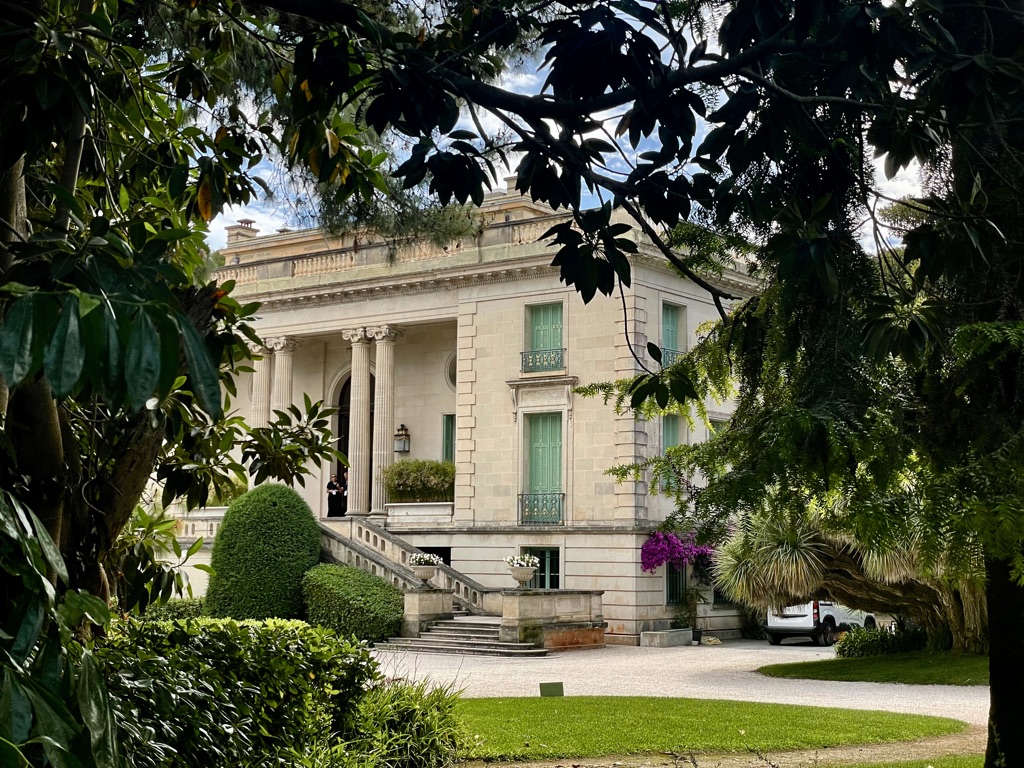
x: 448, y: 437
x: 544, y: 571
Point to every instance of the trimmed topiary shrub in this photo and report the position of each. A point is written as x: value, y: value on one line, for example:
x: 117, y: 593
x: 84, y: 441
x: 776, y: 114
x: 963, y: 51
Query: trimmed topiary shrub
x: 206, y: 692
x: 352, y: 602
x: 420, y: 480
x: 267, y: 541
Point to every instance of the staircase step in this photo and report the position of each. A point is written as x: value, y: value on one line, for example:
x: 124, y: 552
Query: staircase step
x: 465, y: 624
x: 504, y: 651
x: 462, y: 631
x: 458, y: 642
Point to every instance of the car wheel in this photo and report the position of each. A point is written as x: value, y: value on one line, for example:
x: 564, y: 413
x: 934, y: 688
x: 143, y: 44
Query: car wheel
x: 774, y: 639
x: 827, y: 635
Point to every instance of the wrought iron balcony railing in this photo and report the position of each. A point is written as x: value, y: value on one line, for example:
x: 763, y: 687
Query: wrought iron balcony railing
x: 541, y: 508
x: 543, y: 360
x: 670, y: 356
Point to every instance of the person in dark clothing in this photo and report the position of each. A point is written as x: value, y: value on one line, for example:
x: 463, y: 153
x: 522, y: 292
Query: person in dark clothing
x: 335, y: 497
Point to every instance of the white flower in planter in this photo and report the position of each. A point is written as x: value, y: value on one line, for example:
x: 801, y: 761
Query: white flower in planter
x: 422, y: 558
x: 522, y: 561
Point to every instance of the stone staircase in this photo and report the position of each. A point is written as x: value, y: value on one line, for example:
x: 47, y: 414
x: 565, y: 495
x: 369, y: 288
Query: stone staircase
x: 476, y: 636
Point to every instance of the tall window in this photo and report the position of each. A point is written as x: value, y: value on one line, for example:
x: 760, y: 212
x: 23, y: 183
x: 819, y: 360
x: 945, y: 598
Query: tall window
x: 547, y: 575
x: 541, y: 501
x: 675, y: 584
x: 673, y: 332
x: 670, y: 430
x: 448, y: 437
x: 544, y: 338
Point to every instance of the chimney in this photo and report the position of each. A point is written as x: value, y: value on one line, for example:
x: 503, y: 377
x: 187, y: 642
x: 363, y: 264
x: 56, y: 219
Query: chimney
x: 242, y: 231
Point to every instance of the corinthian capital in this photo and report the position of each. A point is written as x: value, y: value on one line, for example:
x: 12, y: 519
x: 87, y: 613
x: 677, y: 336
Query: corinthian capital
x: 283, y: 343
x: 355, y: 335
x: 385, y: 332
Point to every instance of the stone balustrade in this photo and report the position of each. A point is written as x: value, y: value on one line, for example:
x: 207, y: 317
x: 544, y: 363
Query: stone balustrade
x: 553, y: 618
x: 346, y: 255
x: 362, y: 544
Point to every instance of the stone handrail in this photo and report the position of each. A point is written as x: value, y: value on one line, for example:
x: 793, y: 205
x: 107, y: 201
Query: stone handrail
x: 364, y: 545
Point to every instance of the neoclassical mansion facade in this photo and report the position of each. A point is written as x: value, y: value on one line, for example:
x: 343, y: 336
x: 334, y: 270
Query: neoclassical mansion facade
x: 472, y: 353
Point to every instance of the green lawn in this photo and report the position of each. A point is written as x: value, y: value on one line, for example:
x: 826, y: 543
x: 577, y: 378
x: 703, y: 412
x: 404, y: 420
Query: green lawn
x: 590, y: 726
x: 919, y: 668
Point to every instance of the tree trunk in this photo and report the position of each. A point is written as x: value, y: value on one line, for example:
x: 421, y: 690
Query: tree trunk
x: 1006, y: 666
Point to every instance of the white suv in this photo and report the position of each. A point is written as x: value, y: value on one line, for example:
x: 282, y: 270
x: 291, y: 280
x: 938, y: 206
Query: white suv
x: 820, y: 620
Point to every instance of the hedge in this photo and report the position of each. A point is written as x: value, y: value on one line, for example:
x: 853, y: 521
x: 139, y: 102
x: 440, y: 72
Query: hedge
x: 860, y: 642
x: 267, y: 541
x: 352, y: 602
x: 405, y: 724
x: 420, y: 480
x: 183, y: 608
x: 221, y: 692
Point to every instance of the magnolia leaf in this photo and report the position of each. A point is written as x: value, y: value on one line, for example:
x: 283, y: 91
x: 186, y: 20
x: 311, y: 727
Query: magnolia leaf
x: 64, y: 358
x: 142, y: 361
x: 16, y: 340
x: 202, y: 372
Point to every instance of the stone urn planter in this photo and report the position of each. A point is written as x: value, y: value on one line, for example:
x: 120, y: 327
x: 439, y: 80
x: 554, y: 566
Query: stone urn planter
x: 424, y: 572
x: 522, y: 574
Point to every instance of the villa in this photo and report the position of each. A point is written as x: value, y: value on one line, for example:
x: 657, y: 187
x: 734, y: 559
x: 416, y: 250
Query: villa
x: 471, y: 353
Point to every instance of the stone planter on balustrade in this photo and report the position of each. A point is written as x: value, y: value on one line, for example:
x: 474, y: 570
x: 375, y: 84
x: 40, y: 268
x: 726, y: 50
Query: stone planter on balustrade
x: 522, y: 574
x: 557, y: 619
x: 424, y: 572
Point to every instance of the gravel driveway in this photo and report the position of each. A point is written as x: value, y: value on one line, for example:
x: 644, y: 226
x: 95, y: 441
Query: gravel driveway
x: 725, y: 671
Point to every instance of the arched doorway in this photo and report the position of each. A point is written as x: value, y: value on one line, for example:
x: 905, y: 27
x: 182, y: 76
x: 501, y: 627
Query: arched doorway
x: 345, y: 418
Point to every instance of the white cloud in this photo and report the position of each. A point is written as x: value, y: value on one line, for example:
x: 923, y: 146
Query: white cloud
x: 268, y: 220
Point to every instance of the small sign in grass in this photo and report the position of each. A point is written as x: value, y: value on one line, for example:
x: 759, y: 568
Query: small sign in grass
x: 591, y: 726
x: 552, y: 689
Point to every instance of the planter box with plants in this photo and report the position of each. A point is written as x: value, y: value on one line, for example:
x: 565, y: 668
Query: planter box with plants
x: 420, y: 492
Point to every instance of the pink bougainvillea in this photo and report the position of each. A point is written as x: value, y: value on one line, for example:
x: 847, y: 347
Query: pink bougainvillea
x: 662, y: 547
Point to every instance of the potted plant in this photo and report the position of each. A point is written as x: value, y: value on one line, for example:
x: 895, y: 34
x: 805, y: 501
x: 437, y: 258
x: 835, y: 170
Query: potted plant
x: 522, y: 567
x: 691, y: 598
x: 420, y: 481
x: 424, y: 565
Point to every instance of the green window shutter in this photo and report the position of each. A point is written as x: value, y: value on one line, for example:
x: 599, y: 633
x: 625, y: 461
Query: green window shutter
x: 545, y: 440
x: 448, y: 437
x: 669, y: 439
x: 546, y: 326
x: 670, y: 327
x: 669, y: 431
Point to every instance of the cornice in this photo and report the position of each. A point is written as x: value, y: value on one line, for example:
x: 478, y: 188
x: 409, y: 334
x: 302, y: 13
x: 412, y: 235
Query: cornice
x: 431, y: 282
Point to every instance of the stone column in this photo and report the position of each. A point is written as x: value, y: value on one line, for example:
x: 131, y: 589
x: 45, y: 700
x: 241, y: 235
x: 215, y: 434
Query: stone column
x: 359, y: 424
x: 383, y: 413
x: 284, y: 348
x: 261, y: 387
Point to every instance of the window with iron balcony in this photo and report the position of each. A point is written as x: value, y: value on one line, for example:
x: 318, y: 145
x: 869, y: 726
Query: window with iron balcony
x: 544, y: 350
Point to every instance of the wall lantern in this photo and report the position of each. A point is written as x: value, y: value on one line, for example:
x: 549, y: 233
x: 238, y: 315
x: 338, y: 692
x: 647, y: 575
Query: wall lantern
x: 402, y: 439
